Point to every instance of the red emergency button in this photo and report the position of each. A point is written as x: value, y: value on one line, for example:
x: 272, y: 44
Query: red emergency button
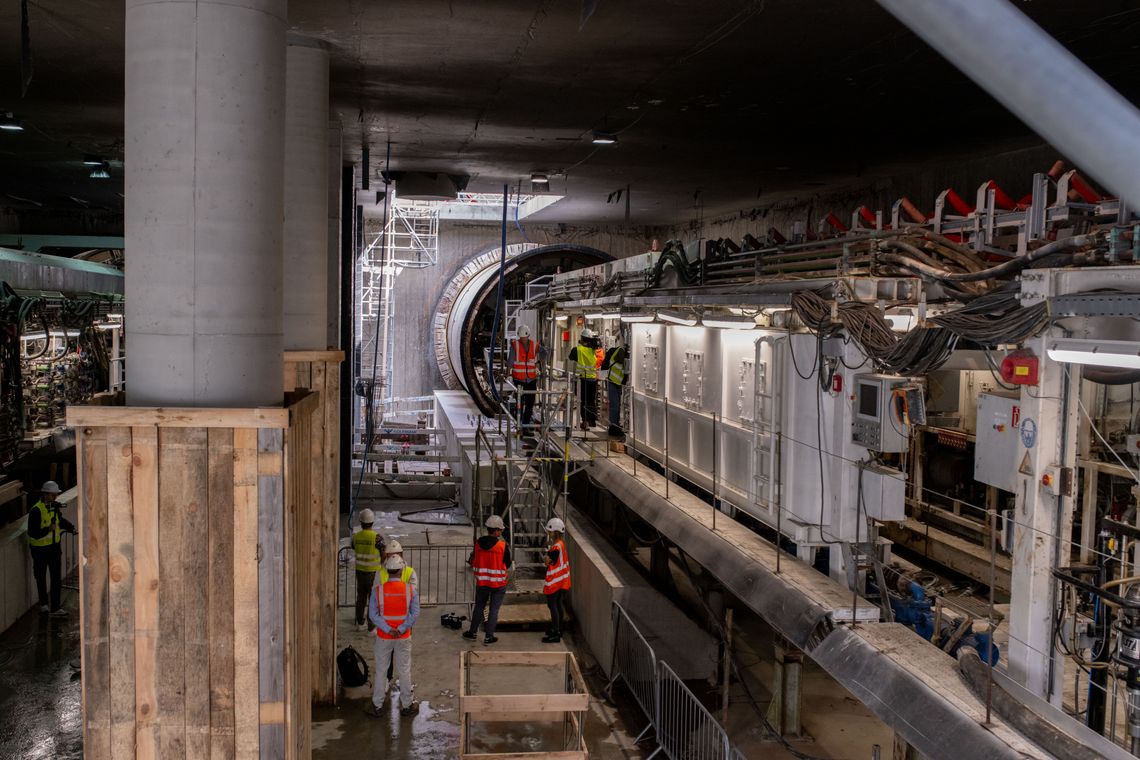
x: 1047, y: 479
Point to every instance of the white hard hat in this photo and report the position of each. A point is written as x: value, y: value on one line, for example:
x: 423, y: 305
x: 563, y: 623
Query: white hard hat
x: 50, y: 487
x: 555, y: 525
x: 587, y: 332
x: 393, y: 547
x: 495, y: 522
x: 367, y: 517
x: 394, y: 564
x: 524, y: 331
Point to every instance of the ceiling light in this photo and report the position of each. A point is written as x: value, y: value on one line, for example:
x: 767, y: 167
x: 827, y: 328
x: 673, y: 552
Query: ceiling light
x: 10, y: 123
x: 90, y: 160
x: 595, y: 315
x: 611, y: 314
x: 561, y: 318
x: 729, y: 322
x: 604, y: 138
x: 1101, y: 353
x: 100, y: 172
x: 540, y: 179
x: 677, y: 317
x: 635, y: 317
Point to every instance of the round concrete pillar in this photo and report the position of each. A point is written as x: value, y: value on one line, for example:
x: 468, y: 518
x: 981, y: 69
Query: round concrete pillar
x: 306, y: 194
x: 205, y: 96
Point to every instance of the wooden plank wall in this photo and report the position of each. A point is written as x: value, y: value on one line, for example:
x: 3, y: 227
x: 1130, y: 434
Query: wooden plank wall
x: 194, y: 586
x: 319, y: 371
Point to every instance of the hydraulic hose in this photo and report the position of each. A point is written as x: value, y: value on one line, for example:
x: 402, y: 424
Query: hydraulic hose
x: 1006, y: 268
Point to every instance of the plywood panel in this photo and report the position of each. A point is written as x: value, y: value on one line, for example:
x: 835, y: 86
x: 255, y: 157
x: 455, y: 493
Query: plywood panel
x: 144, y: 490
x: 245, y: 620
x: 94, y: 596
x: 171, y: 646
x: 195, y: 593
x: 220, y: 614
x: 121, y: 543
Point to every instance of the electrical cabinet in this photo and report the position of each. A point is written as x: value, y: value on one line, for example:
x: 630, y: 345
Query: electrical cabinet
x: 881, y: 417
x: 998, y: 448
x: 883, y: 492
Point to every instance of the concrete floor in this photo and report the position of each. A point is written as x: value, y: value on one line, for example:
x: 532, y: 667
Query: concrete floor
x: 40, y: 688
x: 434, y: 731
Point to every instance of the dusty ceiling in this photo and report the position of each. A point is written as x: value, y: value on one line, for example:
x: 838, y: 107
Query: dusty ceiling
x: 718, y: 102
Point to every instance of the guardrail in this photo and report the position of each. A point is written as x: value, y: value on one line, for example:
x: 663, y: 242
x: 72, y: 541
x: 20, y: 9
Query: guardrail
x: 441, y: 571
x: 685, y: 729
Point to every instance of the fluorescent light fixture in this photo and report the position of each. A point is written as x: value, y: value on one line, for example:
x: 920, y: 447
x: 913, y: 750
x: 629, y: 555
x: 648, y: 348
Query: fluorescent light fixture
x: 10, y: 123
x: 611, y: 314
x: 561, y: 318
x: 677, y: 317
x: 631, y: 317
x: 1101, y: 353
x: 90, y: 160
x: 595, y: 315
x: 109, y: 326
x: 604, y: 138
x: 114, y: 316
x: 540, y: 179
x: 729, y: 322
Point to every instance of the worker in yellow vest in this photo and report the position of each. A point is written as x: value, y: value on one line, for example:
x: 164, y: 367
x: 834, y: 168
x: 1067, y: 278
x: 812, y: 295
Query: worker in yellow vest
x: 393, y: 607
x: 491, y: 561
x: 557, y: 584
x: 586, y: 365
x: 45, y: 528
x: 366, y: 545
x: 615, y: 365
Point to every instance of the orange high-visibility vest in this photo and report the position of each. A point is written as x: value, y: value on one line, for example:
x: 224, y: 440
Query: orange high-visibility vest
x: 490, y: 569
x: 558, y: 574
x: 525, y: 366
x: 393, y: 600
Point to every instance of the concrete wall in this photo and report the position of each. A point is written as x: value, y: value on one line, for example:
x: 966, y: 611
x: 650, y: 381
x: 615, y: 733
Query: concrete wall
x: 1012, y: 170
x: 17, y: 584
x: 602, y: 576
x: 418, y: 290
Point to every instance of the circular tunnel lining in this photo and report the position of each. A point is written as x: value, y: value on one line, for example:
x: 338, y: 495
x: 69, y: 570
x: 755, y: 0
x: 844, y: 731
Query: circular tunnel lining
x: 465, y: 313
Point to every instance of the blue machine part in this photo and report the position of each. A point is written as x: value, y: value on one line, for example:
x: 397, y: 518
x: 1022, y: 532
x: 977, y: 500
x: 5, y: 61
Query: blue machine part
x: 917, y: 611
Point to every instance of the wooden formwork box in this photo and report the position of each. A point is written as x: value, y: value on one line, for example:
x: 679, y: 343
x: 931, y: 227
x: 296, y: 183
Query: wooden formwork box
x: 195, y: 580
x: 319, y: 371
x: 569, y: 706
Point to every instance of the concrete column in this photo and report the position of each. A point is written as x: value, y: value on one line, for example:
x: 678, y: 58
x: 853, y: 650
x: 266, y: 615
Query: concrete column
x: 205, y: 95
x: 334, y: 254
x: 1043, y: 523
x: 306, y: 195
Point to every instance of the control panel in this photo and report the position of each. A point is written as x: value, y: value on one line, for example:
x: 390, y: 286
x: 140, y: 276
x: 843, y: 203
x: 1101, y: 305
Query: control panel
x: 883, y: 409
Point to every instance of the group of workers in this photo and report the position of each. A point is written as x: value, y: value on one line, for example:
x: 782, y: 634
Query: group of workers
x: 388, y: 589
x: 589, y: 359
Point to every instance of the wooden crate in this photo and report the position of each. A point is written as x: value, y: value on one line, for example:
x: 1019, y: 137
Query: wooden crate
x: 568, y: 706
x: 194, y: 581
x: 319, y: 371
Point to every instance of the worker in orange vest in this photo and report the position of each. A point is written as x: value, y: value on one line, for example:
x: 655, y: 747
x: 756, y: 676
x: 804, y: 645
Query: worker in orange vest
x: 491, y: 560
x: 557, y: 585
x: 526, y: 356
x: 394, y: 607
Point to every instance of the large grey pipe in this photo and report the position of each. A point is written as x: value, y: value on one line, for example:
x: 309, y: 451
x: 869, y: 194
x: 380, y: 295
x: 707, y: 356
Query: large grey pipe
x: 205, y: 96
x: 1037, y: 79
x: 306, y: 195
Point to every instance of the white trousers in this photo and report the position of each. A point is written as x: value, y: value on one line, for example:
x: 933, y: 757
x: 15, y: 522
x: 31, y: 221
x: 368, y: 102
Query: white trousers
x: 385, y: 649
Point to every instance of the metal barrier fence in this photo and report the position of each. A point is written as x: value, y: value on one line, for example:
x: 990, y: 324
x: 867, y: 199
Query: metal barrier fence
x: 442, y: 572
x: 685, y: 729
x: 635, y: 663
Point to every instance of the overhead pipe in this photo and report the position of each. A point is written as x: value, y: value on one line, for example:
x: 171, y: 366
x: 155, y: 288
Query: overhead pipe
x: 1016, y: 61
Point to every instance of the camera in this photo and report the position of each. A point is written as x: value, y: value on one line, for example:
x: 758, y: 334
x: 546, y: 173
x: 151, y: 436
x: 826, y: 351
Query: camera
x: 450, y: 620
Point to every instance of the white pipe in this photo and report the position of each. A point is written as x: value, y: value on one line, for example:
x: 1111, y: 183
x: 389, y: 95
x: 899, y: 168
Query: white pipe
x: 1037, y: 79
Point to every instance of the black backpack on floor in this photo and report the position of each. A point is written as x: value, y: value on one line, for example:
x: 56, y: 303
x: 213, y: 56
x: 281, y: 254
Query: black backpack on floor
x: 353, y: 668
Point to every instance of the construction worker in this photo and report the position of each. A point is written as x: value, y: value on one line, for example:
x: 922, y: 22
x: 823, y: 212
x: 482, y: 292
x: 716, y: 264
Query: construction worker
x: 366, y: 545
x: 616, y: 366
x: 586, y: 364
x: 490, y: 559
x: 393, y: 607
x: 45, y: 528
x: 557, y: 585
x: 525, y: 358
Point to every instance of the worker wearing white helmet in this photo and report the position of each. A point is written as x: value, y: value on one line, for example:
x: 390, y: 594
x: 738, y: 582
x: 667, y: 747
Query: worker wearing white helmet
x: 394, y: 608
x: 557, y: 584
x: 491, y: 561
x: 366, y: 545
x: 526, y: 357
x: 585, y: 361
x: 45, y: 526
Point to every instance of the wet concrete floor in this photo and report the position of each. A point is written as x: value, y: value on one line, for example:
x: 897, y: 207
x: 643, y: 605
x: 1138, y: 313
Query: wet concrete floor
x: 39, y: 686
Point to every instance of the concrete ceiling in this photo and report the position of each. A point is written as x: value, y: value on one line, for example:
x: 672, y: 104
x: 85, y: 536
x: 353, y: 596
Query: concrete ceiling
x: 717, y: 103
